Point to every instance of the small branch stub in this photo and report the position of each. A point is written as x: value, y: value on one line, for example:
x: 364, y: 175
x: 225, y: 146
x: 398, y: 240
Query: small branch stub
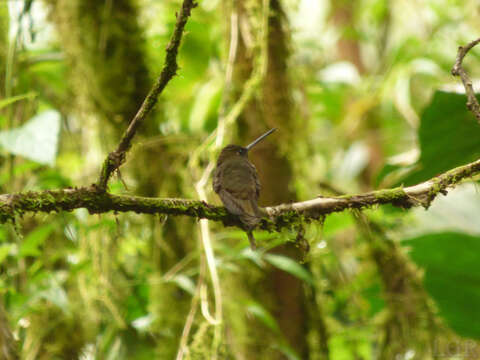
x: 458, y: 70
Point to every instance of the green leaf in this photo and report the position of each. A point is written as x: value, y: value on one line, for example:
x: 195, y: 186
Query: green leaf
x: 351, y: 343
x: 391, y: 174
x: 286, y: 264
x: 136, y: 305
x: 4, y: 22
x: 449, y: 136
x: 56, y: 294
x: 13, y: 99
x: 36, y: 238
x: 287, y: 350
x: 263, y: 315
x: 5, y: 250
x: 18, y: 170
x: 373, y: 294
x: 336, y: 222
x: 452, y: 275
x: 203, y: 104
x: 36, y: 140
x: 143, y: 323
x: 3, y: 233
x: 184, y: 283
x: 48, y: 286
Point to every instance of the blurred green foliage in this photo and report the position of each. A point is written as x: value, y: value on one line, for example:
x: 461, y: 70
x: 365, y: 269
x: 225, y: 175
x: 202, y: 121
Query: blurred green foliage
x: 123, y: 286
x: 451, y: 275
x: 448, y: 137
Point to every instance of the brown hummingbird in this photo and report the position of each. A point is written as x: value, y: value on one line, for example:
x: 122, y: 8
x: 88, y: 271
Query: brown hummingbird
x: 236, y: 181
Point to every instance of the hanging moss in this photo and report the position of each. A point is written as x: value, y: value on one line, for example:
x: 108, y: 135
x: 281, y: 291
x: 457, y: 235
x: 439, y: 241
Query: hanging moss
x: 407, y: 325
x: 105, y: 48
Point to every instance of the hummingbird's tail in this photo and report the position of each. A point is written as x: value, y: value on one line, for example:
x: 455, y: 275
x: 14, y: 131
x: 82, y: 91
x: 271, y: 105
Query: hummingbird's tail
x: 249, y: 223
x: 246, y: 209
x: 253, y: 245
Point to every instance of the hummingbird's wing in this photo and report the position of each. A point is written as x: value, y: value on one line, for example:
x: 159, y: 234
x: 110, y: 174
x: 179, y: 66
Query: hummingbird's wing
x: 246, y: 209
x: 217, y: 179
x: 238, y: 186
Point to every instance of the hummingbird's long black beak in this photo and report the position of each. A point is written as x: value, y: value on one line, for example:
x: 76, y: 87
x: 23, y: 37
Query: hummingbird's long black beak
x: 249, y: 146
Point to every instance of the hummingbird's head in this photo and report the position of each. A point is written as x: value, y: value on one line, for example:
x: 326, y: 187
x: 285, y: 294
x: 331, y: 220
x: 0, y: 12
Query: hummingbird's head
x: 232, y: 152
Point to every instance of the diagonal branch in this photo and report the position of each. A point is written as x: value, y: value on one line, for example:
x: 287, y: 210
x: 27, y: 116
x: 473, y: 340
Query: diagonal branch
x: 458, y: 70
x: 277, y: 217
x: 116, y: 158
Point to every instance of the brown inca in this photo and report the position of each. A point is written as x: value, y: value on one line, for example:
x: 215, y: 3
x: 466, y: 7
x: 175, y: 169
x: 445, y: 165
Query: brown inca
x: 236, y: 181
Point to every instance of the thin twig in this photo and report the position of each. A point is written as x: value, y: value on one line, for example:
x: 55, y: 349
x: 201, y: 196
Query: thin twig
x: 208, y: 249
x: 117, y: 157
x: 458, y: 70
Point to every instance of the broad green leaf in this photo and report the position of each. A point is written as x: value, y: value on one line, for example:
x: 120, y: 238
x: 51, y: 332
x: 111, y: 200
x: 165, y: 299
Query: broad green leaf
x: 449, y: 136
x: 37, y: 140
x: 286, y: 264
x: 452, y: 277
x: 35, y: 239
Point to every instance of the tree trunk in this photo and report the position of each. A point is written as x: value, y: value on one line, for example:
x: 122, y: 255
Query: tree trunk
x: 109, y: 80
x: 281, y: 292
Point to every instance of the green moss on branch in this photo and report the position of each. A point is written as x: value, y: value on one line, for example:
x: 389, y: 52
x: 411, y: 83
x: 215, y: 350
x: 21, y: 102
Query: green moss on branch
x: 97, y: 201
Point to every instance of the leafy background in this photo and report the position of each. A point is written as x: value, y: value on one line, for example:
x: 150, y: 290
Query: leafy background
x: 374, y: 106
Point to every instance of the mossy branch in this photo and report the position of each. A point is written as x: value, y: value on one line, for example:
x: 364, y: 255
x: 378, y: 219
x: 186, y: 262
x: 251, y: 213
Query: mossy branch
x: 97, y: 201
x: 117, y: 157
